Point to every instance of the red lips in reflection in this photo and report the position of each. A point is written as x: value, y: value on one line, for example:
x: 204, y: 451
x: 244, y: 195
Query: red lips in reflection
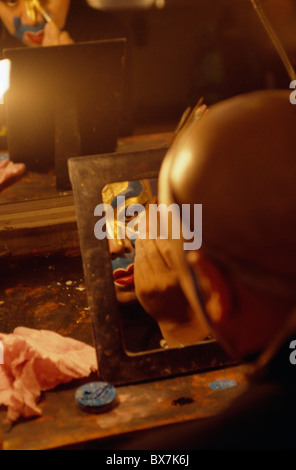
x: 36, y: 38
x: 124, y: 277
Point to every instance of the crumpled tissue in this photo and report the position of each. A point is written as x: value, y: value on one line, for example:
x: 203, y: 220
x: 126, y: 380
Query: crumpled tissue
x: 9, y: 170
x: 37, y: 360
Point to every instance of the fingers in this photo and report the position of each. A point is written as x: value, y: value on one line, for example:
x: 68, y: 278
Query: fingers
x: 65, y: 38
x: 165, y: 250
x: 148, y: 256
x: 157, y: 251
x: 150, y: 271
x: 154, y: 279
x: 54, y: 37
x: 51, y: 35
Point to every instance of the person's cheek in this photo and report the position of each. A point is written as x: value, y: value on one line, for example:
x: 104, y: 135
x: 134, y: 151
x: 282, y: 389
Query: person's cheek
x: 7, y: 20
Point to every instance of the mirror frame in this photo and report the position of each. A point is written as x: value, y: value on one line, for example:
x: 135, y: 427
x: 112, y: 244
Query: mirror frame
x: 88, y: 176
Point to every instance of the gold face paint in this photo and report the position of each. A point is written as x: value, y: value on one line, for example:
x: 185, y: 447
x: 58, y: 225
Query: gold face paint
x: 32, y: 6
x: 130, y: 190
x: 30, y: 10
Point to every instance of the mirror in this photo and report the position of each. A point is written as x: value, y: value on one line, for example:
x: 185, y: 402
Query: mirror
x: 120, y: 361
x: 139, y: 331
x: 60, y: 105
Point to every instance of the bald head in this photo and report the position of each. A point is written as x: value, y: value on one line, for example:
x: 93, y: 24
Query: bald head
x: 239, y: 161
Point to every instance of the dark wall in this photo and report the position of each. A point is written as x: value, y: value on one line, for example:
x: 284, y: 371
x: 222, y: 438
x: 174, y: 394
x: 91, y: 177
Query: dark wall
x: 214, y: 49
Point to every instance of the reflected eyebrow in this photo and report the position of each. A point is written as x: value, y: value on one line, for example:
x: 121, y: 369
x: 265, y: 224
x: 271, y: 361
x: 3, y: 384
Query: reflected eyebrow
x: 134, y: 189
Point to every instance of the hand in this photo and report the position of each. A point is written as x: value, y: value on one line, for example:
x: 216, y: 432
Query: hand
x: 159, y: 292
x: 54, y: 37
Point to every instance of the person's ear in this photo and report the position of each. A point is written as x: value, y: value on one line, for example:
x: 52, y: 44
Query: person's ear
x: 213, y: 287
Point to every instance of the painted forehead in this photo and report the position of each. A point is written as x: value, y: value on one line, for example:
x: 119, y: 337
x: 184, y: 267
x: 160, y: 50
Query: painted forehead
x: 135, y: 192
x: 28, y: 3
x: 16, y: 2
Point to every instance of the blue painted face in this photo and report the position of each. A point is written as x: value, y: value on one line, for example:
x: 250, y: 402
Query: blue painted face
x: 133, y: 193
x: 123, y: 261
x: 122, y: 242
x: 34, y: 31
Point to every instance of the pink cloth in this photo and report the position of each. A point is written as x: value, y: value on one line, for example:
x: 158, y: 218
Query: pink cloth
x: 10, y: 170
x: 38, y: 360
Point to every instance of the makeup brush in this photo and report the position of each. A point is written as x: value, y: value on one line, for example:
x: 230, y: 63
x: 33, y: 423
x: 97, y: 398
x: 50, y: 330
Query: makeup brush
x: 32, y: 6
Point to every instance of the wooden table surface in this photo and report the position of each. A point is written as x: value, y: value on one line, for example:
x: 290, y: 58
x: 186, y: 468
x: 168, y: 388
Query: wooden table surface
x: 140, y: 407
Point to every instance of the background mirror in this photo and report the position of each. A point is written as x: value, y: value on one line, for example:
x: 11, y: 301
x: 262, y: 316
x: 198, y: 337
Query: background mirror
x: 60, y: 105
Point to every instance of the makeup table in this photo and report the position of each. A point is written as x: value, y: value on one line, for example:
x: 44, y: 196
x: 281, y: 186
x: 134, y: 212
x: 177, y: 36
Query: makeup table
x: 141, y: 407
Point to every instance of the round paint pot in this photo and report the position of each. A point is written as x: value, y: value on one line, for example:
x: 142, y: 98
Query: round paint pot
x: 96, y: 397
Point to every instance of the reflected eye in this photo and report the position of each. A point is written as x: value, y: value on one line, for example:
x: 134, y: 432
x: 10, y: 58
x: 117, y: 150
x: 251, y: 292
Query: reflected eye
x: 11, y: 3
x: 130, y: 217
x: 135, y: 215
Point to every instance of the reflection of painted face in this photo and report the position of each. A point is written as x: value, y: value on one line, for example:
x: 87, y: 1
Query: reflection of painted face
x: 122, y: 250
x: 14, y: 15
x: 29, y: 34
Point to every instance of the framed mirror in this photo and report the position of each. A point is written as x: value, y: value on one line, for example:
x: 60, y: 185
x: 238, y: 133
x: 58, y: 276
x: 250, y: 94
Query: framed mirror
x: 64, y: 101
x: 128, y: 343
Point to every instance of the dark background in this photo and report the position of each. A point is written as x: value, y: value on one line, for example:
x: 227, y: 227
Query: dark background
x: 189, y: 49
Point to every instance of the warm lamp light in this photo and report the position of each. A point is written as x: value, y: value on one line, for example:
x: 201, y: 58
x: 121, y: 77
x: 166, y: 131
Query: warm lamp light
x: 4, y: 77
